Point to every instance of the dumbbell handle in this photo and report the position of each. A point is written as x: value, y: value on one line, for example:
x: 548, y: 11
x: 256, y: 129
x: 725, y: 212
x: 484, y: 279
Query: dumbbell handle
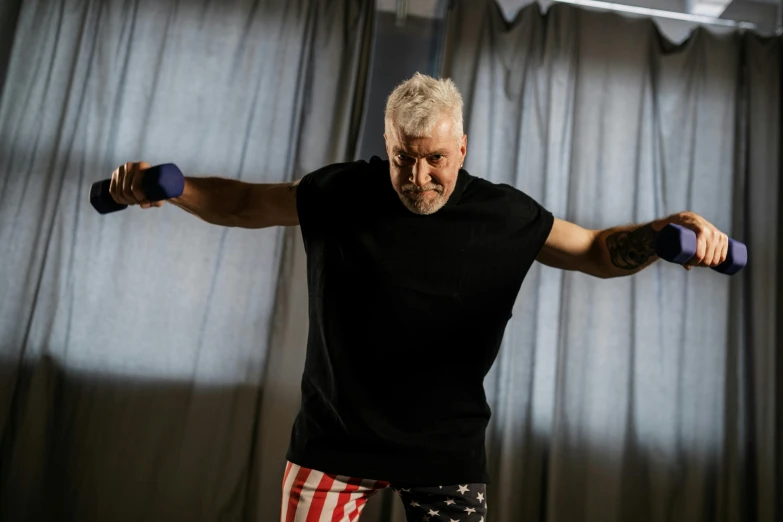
x: 677, y: 244
x: 160, y: 182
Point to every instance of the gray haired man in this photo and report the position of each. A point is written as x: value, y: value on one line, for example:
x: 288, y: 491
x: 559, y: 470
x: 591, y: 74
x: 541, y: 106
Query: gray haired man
x: 413, y: 269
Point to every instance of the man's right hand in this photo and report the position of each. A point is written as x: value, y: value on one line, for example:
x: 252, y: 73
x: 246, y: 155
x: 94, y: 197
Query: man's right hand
x: 220, y: 201
x: 126, y: 188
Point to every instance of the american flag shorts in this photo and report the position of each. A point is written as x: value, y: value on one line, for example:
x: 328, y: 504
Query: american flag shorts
x: 313, y: 496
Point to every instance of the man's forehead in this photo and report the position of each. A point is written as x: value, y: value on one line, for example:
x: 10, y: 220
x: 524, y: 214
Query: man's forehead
x: 423, y: 144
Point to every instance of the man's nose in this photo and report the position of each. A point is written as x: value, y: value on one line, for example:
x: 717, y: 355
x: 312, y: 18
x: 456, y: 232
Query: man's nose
x: 420, y: 174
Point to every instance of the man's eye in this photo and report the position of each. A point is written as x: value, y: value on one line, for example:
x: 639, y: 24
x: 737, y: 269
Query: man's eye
x: 437, y: 159
x: 403, y: 158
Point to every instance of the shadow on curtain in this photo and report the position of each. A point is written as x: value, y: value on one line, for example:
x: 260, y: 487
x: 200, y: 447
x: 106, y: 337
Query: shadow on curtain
x: 134, y: 347
x: 650, y: 398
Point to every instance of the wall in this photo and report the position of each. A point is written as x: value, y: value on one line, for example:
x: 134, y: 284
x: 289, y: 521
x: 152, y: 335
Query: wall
x: 399, y: 50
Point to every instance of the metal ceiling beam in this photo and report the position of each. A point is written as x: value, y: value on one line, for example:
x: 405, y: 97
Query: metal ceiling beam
x: 672, y: 15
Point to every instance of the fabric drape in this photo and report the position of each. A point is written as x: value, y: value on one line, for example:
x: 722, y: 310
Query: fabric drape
x: 653, y: 397
x: 134, y: 347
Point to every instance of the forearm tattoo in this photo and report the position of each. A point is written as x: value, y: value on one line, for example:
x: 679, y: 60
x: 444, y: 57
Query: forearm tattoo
x: 631, y: 249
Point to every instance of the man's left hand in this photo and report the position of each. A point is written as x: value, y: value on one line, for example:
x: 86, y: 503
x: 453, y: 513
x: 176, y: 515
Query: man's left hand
x: 712, y: 245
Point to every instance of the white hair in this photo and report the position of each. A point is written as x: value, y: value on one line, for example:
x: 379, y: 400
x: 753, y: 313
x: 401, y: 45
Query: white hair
x: 416, y: 105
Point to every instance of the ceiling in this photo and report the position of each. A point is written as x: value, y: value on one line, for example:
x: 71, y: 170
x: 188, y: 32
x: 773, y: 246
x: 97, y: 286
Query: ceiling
x: 763, y: 13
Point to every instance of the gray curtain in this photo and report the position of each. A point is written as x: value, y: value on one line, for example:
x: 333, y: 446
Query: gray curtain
x: 135, y: 348
x: 656, y: 397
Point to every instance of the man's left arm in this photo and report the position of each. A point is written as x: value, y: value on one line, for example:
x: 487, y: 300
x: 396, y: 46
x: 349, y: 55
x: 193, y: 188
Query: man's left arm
x: 625, y: 250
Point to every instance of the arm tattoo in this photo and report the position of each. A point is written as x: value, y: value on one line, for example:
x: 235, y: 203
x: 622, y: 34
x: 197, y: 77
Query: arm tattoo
x: 631, y: 249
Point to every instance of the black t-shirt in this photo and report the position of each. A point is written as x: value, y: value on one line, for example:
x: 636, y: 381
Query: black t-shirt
x: 406, y: 314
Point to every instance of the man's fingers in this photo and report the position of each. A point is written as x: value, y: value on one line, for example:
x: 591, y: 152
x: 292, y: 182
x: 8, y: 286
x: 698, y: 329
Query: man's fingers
x: 132, y: 184
x: 724, y: 252
x: 118, y: 181
x: 701, y: 250
x: 113, y: 185
x: 126, y: 185
x: 713, y: 244
x: 712, y: 248
x: 136, y: 190
x: 151, y: 204
x: 720, y: 249
x: 720, y: 243
x: 127, y: 180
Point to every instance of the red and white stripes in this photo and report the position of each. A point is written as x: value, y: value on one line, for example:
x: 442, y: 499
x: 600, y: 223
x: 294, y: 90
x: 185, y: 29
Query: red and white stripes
x: 313, y: 496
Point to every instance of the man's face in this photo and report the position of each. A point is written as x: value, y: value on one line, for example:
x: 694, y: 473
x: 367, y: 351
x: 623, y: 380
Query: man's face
x: 424, y: 170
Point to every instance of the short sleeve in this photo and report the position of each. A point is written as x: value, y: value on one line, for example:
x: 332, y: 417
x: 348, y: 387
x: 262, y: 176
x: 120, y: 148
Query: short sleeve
x: 533, y: 223
x: 322, y: 197
x: 539, y: 223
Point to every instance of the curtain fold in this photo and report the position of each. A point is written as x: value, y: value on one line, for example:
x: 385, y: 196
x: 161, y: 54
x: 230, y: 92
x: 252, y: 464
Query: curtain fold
x: 9, y: 14
x: 134, y: 346
x: 649, y: 398
x: 762, y: 375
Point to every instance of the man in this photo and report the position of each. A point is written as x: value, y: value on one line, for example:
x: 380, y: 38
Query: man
x: 413, y: 269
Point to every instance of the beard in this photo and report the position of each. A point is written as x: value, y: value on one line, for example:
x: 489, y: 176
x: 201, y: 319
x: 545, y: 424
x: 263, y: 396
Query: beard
x: 415, y: 199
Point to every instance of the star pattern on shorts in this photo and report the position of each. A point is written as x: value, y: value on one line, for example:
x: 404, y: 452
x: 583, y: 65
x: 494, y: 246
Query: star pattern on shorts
x: 454, y: 503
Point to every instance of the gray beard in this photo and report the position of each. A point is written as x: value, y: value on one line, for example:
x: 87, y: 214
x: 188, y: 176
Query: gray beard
x: 421, y: 206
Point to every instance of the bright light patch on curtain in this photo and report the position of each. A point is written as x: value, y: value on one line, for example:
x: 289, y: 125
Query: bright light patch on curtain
x: 708, y: 7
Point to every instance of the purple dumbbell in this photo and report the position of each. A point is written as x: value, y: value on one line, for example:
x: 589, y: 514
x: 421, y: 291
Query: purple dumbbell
x: 677, y: 244
x: 160, y: 182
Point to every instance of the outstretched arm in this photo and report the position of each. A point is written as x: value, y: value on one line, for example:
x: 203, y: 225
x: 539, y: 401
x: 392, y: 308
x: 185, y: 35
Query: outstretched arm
x: 233, y: 203
x: 625, y: 250
x: 220, y: 201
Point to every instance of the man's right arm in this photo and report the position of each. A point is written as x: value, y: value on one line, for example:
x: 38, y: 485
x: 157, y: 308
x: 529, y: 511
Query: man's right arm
x: 219, y: 201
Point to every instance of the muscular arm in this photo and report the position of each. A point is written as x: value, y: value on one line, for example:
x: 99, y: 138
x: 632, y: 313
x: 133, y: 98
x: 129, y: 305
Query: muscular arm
x: 571, y: 247
x: 625, y: 250
x: 225, y: 202
x: 613, y: 252
x: 629, y: 249
x: 234, y: 203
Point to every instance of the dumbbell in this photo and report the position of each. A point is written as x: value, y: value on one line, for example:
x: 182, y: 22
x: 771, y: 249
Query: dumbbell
x: 677, y: 244
x: 160, y: 182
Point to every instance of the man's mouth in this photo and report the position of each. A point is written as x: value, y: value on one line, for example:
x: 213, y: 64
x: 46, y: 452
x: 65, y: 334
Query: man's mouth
x: 420, y: 191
